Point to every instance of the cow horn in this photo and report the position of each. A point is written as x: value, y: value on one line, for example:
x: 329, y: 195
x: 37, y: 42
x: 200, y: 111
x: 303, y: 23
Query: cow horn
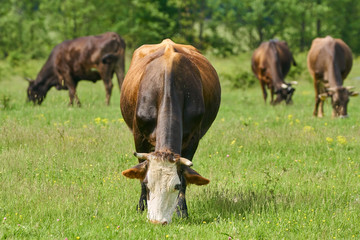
x: 293, y: 82
x: 28, y: 79
x: 186, y: 162
x: 349, y: 87
x: 354, y: 94
x: 141, y: 156
x: 332, y: 89
x: 323, y: 96
x: 283, y: 85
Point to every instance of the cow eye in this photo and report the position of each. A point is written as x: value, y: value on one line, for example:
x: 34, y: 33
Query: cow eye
x: 177, y: 187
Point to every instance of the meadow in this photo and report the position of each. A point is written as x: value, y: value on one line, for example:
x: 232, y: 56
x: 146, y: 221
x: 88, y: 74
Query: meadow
x: 275, y: 172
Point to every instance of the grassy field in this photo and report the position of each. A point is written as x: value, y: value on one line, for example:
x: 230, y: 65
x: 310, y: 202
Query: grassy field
x: 275, y: 172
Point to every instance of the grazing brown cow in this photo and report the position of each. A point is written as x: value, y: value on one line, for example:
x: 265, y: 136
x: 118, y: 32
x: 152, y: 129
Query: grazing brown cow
x: 85, y: 58
x: 270, y: 63
x: 169, y: 98
x: 329, y: 62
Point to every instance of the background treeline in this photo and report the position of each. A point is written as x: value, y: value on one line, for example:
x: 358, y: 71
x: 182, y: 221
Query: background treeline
x: 31, y: 28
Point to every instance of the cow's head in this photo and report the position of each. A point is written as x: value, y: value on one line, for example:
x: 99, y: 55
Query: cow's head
x: 34, y: 92
x: 340, y: 97
x: 162, y: 172
x: 285, y: 93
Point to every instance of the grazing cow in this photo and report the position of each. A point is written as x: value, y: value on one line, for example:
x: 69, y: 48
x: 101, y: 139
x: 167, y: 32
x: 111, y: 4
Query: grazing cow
x: 270, y: 63
x: 169, y: 98
x: 85, y: 58
x: 329, y: 62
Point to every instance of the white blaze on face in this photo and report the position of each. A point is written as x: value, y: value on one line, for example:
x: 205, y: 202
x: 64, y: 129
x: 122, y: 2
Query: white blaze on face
x: 162, y: 178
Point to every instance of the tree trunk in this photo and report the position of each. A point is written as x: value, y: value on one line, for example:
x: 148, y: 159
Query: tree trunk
x: 318, y: 22
x: 302, y: 32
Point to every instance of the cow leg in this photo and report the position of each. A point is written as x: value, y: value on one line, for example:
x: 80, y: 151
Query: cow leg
x: 262, y: 84
x: 106, y: 75
x: 108, y: 88
x: 316, y: 112
x: 316, y: 108
x: 272, y: 96
x: 142, y: 146
x: 188, y: 153
x: 321, y: 109
x: 72, y: 94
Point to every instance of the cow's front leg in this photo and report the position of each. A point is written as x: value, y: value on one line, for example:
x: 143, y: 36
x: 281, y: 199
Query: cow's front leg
x: 272, y: 96
x: 321, y: 109
x: 262, y: 84
x: 143, y: 198
x: 316, y: 112
x: 181, y: 208
x: 142, y: 146
x: 72, y: 94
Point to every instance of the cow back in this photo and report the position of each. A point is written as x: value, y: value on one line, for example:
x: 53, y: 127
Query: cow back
x: 170, y: 76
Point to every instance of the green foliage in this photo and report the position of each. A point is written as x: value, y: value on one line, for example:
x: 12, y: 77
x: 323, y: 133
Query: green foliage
x: 242, y: 80
x: 5, y: 102
x: 32, y: 28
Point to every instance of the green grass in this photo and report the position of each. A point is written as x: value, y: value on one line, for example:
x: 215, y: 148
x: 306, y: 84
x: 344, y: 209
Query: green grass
x: 274, y: 171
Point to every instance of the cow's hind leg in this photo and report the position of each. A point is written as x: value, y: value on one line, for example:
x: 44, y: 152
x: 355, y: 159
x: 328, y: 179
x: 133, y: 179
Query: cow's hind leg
x: 106, y: 75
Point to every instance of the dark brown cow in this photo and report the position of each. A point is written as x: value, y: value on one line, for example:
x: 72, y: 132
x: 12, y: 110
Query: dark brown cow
x: 85, y: 58
x: 270, y: 63
x: 329, y: 62
x: 169, y: 98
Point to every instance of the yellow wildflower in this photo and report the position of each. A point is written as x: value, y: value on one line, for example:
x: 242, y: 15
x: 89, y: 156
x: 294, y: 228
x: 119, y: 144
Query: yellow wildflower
x: 341, y: 140
x: 308, y: 129
x: 329, y: 140
x: 97, y: 120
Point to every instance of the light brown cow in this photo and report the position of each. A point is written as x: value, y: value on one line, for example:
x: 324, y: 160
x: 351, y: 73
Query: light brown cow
x: 329, y: 62
x: 169, y: 98
x: 270, y: 63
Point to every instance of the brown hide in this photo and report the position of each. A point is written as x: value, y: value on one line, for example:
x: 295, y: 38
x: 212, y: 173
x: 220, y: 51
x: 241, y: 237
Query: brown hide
x: 170, y: 97
x: 86, y: 58
x: 329, y: 62
x: 270, y: 63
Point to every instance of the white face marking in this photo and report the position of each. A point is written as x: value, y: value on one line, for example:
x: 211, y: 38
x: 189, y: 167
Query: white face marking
x: 162, y: 178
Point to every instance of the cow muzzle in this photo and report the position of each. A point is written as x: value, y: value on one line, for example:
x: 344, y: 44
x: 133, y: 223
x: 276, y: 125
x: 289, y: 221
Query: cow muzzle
x: 159, y: 222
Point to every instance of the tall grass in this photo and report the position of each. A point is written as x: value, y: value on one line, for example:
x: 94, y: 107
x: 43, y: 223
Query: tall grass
x: 276, y: 172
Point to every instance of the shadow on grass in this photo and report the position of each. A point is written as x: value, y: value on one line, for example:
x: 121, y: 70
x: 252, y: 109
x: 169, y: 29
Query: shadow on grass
x: 231, y: 204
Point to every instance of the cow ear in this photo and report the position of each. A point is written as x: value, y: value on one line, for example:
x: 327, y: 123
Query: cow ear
x: 323, y: 96
x: 138, y: 171
x: 192, y: 177
x: 354, y: 94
